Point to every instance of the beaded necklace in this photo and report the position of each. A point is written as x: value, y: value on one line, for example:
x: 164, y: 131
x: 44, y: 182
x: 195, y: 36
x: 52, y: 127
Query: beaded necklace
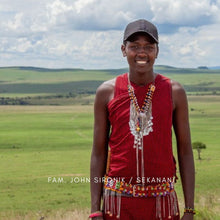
x: 140, y: 121
x: 146, y: 104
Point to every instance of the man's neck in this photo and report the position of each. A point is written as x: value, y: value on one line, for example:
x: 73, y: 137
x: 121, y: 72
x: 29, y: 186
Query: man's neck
x: 141, y: 79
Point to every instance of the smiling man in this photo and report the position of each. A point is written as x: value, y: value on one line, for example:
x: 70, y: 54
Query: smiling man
x: 132, y: 148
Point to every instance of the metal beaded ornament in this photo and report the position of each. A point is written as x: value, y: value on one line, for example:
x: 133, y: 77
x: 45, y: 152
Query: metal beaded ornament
x: 140, y: 121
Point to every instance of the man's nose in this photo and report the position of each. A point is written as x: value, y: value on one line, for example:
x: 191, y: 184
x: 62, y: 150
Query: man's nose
x: 142, y: 50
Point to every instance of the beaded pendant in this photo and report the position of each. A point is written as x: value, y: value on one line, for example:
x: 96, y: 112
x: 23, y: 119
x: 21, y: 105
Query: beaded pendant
x: 140, y: 122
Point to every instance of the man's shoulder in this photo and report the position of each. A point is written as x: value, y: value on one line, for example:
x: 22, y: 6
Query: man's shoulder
x: 176, y: 86
x: 106, y: 86
x: 178, y: 94
x: 162, y: 78
x: 109, y: 85
x: 105, y: 92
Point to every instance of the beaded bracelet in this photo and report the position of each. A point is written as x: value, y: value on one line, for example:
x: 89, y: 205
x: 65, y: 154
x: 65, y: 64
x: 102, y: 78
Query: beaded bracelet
x: 96, y: 214
x: 189, y: 210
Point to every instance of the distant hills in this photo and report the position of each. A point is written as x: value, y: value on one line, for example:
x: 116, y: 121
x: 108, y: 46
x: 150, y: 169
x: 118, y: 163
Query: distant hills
x: 40, y: 69
x: 42, y: 86
x: 157, y: 67
x: 214, y: 68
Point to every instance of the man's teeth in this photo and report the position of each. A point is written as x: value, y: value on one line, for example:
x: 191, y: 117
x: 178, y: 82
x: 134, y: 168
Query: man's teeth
x: 141, y: 62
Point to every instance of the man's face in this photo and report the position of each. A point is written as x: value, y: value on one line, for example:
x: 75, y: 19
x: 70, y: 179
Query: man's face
x: 141, y: 53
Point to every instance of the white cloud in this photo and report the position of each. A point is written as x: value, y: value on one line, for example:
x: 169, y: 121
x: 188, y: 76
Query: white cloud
x: 80, y: 4
x: 185, y: 12
x: 95, y: 14
x: 88, y: 33
x: 16, y: 23
x: 58, y: 12
x: 191, y: 47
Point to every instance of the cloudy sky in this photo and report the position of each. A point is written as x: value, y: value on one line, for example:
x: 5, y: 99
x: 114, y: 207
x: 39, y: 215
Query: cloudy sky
x: 88, y: 33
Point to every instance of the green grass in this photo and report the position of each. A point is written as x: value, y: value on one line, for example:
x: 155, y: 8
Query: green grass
x: 33, y: 75
x: 37, y: 142
x: 29, y: 82
x: 205, y: 127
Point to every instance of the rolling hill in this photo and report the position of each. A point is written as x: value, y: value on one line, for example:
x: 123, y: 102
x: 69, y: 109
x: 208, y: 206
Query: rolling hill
x: 34, y: 85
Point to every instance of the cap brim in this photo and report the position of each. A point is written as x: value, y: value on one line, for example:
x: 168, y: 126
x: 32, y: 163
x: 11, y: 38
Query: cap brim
x: 145, y: 32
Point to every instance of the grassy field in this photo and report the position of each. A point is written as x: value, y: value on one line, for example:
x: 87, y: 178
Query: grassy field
x: 32, y: 83
x: 38, y: 143
x: 45, y: 149
x: 45, y: 153
x: 205, y: 127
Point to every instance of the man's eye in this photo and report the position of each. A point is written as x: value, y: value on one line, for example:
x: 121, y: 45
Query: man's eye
x: 134, y: 47
x: 149, y: 48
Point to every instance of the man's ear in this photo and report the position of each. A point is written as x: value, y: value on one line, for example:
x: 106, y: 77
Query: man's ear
x: 123, y: 50
x: 157, y: 51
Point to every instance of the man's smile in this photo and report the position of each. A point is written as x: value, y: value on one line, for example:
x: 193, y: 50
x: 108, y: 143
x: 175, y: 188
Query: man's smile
x: 141, y: 62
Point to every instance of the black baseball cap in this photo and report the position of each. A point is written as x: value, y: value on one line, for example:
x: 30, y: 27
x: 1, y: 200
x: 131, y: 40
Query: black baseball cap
x: 141, y: 26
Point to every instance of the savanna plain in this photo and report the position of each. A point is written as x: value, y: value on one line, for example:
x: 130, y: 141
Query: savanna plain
x: 46, y: 138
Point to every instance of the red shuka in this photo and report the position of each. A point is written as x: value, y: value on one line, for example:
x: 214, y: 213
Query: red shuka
x: 158, y: 156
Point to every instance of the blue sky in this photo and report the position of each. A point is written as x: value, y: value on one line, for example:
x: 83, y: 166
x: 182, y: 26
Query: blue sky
x: 88, y: 33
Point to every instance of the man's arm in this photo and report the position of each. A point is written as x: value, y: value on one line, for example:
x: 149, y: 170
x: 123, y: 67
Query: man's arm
x: 100, y: 144
x: 184, y: 148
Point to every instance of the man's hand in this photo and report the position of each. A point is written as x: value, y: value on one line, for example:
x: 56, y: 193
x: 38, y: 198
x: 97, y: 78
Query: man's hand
x: 187, y: 216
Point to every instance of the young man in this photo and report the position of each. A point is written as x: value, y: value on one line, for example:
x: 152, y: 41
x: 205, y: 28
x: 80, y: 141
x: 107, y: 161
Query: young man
x: 132, y: 148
